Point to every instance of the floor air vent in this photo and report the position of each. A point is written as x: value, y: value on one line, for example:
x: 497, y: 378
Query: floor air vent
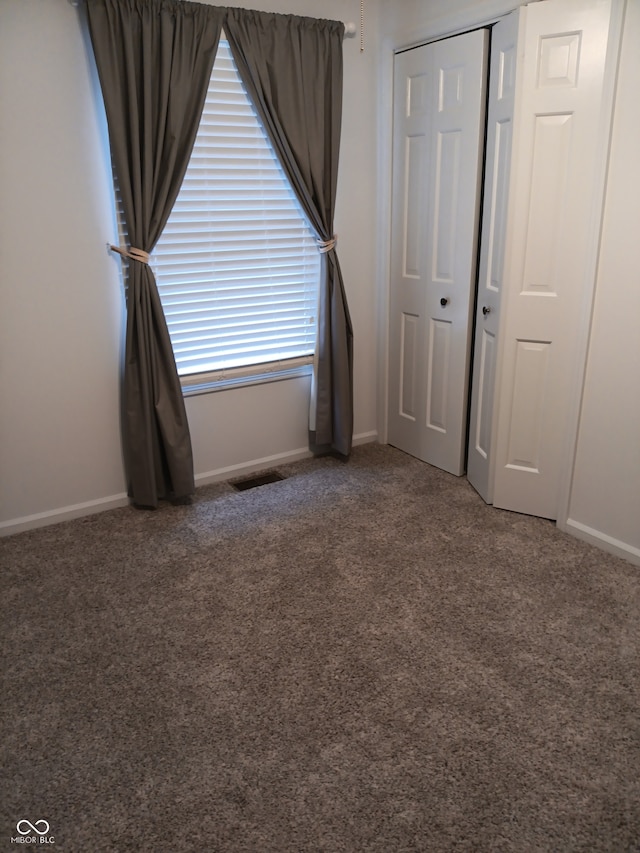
x: 260, y: 480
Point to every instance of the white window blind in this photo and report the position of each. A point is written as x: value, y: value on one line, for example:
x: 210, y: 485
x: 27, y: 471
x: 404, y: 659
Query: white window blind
x: 237, y: 265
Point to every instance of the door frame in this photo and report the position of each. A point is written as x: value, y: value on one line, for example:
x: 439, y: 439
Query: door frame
x: 454, y: 24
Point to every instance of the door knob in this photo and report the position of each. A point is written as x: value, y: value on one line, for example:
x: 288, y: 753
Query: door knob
x: 486, y: 310
x: 444, y: 301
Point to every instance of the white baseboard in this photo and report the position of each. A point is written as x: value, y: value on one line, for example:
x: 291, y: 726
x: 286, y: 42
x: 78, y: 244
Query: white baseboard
x: 67, y: 513
x: 229, y: 471
x: 255, y: 465
x: 602, y: 540
x: 365, y: 437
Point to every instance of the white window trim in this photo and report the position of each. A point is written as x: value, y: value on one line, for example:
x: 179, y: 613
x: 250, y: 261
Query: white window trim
x: 239, y: 377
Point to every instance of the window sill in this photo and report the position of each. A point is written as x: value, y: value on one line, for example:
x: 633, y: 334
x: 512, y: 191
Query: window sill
x: 241, y: 377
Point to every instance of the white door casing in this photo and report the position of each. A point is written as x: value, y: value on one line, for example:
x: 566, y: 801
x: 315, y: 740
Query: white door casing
x: 553, y: 182
x: 439, y: 101
x: 502, y: 90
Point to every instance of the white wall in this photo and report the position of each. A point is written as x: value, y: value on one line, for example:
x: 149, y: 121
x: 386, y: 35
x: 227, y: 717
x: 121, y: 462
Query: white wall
x: 61, y: 301
x: 605, y: 495
x: 408, y: 22
x: 60, y: 295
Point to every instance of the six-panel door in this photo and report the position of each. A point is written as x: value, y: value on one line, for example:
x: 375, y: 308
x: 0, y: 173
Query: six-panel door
x: 439, y: 101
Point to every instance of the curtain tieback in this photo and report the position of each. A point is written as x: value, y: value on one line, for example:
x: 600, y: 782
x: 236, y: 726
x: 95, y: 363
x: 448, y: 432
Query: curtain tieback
x: 132, y: 253
x: 325, y: 246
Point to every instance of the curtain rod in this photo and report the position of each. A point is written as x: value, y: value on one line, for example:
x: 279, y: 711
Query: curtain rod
x: 350, y: 28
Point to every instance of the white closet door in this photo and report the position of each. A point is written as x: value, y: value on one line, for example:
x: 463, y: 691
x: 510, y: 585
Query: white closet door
x: 439, y: 100
x: 556, y: 150
x: 502, y: 80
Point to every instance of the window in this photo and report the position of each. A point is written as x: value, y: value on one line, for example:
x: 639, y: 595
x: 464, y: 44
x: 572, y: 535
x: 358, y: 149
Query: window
x: 237, y: 265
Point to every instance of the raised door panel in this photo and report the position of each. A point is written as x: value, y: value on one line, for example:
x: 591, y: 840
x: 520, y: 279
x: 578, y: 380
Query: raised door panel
x: 412, y: 208
x: 438, y: 375
x: 528, y: 405
x: 480, y: 439
x: 408, y: 366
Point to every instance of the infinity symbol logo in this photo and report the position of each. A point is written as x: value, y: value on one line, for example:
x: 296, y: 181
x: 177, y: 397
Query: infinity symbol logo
x: 32, y: 827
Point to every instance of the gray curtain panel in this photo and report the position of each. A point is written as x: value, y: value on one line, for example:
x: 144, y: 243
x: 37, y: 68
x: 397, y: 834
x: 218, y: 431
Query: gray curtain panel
x: 154, y: 60
x: 292, y: 68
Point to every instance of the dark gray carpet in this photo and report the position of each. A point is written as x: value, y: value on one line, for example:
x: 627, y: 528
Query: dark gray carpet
x: 362, y: 657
